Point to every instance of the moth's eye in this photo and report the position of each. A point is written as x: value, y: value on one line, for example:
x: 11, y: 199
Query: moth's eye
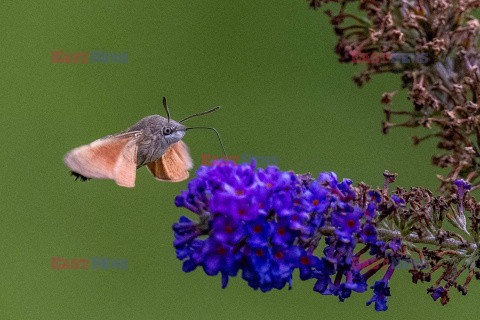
x: 167, y: 131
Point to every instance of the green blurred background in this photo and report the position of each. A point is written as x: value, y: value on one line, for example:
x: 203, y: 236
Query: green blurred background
x: 270, y: 65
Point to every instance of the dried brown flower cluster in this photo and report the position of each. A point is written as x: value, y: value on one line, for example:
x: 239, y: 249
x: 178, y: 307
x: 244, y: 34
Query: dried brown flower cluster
x: 444, y: 90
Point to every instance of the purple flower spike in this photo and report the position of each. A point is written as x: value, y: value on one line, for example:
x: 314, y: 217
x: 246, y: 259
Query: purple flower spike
x: 268, y: 223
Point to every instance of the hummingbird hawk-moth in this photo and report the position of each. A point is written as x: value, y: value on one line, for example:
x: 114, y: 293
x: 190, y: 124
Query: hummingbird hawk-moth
x: 154, y: 142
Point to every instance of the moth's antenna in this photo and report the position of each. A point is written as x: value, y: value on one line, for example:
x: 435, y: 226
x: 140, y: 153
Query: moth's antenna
x: 166, y: 108
x: 200, y: 114
x: 218, y: 135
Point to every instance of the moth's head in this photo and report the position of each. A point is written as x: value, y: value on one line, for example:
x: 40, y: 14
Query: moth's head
x: 172, y: 131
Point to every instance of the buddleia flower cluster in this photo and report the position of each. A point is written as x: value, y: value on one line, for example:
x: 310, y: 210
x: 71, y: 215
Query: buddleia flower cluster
x: 444, y: 88
x: 265, y: 224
